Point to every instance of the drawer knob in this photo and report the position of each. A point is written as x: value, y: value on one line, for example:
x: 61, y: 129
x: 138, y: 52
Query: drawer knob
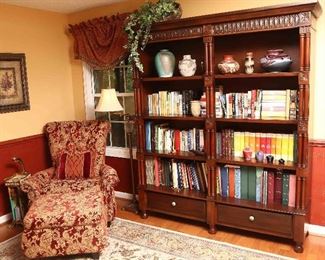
x: 251, y: 218
x: 174, y: 204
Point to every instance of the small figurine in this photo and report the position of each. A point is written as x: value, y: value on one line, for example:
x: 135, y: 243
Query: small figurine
x: 259, y: 156
x: 281, y: 161
x: 269, y: 158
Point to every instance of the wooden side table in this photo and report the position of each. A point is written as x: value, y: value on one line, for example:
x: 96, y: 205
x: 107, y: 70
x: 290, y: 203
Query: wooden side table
x: 18, y: 199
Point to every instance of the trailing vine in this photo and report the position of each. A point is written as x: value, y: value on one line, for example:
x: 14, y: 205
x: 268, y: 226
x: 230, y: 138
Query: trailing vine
x: 139, y: 24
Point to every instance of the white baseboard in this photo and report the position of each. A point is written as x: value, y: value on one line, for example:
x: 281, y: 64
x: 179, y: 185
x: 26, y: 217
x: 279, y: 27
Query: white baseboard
x: 5, y: 218
x: 315, y: 230
x: 123, y: 195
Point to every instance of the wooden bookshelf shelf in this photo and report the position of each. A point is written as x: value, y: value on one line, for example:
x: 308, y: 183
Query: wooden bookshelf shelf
x: 179, y: 193
x: 177, y: 78
x: 258, y: 121
x: 256, y: 205
x: 176, y: 118
x: 178, y: 155
x: 240, y: 161
x: 258, y: 75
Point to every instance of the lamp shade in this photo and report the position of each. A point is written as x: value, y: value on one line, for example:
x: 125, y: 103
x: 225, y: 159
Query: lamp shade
x: 108, y: 101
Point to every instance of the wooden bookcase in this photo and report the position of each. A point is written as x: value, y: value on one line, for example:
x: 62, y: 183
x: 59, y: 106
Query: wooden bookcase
x: 207, y: 39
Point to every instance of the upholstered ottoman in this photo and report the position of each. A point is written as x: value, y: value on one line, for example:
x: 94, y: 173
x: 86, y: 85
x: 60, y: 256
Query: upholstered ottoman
x: 66, y: 224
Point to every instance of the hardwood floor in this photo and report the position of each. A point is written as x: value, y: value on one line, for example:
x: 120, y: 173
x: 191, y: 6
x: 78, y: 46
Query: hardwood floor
x: 314, y: 246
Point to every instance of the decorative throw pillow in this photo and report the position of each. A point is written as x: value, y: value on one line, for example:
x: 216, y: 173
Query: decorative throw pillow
x: 74, y: 166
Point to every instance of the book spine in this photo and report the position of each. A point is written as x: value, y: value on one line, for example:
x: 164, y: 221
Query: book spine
x: 270, y: 187
x: 285, y: 189
x: 237, y: 183
x: 292, y: 190
x: 278, y: 187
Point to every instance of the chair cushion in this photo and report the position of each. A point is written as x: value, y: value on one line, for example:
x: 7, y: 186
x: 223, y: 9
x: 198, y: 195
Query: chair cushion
x: 66, y: 209
x: 74, y: 166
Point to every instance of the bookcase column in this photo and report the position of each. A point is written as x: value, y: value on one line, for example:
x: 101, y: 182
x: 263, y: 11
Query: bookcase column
x: 210, y: 126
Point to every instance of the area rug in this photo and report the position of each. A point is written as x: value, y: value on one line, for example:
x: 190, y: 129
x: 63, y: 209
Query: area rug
x: 131, y: 240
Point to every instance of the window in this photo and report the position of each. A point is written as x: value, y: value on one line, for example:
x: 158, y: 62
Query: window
x: 119, y: 78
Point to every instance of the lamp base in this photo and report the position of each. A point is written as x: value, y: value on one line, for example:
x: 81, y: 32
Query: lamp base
x: 132, y: 206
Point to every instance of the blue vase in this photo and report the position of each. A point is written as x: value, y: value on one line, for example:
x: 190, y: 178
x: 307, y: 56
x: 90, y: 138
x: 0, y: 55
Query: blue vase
x: 165, y: 63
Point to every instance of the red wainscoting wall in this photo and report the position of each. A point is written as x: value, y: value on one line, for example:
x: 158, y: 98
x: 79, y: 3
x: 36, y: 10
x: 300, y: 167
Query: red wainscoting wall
x: 34, y: 152
x: 317, y: 150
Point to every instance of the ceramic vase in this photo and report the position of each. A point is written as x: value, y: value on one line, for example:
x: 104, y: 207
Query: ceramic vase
x: 228, y: 65
x: 187, y: 66
x: 165, y: 63
x: 276, y: 61
x: 259, y: 156
x: 195, y: 108
x: 247, y: 153
x: 249, y: 63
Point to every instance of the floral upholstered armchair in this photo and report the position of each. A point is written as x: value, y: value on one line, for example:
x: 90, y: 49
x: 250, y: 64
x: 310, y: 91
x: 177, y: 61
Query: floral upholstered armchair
x: 70, y: 203
x: 78, y: 156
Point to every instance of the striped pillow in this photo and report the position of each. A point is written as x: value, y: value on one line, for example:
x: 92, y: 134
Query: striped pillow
x: 74, y: 166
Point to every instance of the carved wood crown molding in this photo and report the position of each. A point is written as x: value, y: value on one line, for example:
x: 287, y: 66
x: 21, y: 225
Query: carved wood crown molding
x: 242, y: 26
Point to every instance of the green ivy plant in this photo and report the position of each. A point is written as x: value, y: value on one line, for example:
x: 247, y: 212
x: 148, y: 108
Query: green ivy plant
x: 139, y: 24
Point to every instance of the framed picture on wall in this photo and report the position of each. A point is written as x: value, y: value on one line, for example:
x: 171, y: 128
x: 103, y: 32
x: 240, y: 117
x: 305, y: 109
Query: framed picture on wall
x: 13, y: 83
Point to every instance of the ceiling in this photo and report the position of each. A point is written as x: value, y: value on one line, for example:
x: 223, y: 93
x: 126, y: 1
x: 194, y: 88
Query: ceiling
x: 61, y: 6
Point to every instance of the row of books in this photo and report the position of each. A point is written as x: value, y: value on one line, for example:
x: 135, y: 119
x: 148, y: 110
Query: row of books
x: 232, y: 143
x: 159, y: 137
x: 176, y: 174
x: 258, y: 184
x: 260, y: 104
x: 170, y: 103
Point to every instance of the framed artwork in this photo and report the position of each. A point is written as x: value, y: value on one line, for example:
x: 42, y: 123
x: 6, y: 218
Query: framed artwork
x: 13, y: 83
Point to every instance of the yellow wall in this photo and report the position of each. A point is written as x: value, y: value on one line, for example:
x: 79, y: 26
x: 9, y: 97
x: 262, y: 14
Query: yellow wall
x: 41, y: 36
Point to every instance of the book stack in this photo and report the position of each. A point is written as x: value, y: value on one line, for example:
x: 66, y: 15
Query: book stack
x: 257, y: 184
x: 231, y: 143
x: 160, y: 137
x: 170, y: 103
x: 260, y: 104
x: 176, y: 174
x: 275, y: 104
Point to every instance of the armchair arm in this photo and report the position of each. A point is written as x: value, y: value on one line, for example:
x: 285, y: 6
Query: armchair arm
x: 108, y: 176
x: 37, y: 184
x: 108, y: 180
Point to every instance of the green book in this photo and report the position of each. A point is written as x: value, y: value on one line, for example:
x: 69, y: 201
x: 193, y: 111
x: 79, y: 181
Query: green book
x: 252, y: 183
x: 244, y: 182
x: 285, y: 189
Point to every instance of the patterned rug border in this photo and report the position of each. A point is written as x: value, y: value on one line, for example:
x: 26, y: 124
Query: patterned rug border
x: 208, y: 240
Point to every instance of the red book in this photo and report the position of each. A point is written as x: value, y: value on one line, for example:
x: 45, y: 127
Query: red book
x: 278, y: 187
x: 263, y: 143
x: 292, y: 190
x: 253, y: 100
x: 270, y: 187
x: 268, y: 144
x: 231, y: 183
x: 156, y: 172
x: 177, y: 140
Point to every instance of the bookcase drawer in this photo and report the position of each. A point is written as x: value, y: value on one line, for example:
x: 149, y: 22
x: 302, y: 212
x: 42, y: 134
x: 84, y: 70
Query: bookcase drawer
x: 255, y: 220
x: 178, y: 206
